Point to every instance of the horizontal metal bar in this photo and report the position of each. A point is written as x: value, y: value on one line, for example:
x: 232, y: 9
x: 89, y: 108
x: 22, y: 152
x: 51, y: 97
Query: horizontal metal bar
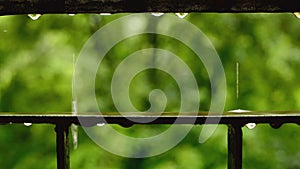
x: 11, y: 7
x: 130, y: 118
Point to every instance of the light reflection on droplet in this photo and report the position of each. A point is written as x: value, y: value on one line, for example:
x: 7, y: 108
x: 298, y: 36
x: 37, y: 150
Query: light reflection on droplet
x: 100, y: 124
x: 27, y: 124
x: 297, y: 14
x: 4, y: 30
x: 239, y: 111
x: 71, y: 14
x: 250, y: 125
x: 74, y: 128
x: 34, y: 16
x: 157, y: 13
x: 181, y: 15
x: 105, y: 14
x: 74, y: 107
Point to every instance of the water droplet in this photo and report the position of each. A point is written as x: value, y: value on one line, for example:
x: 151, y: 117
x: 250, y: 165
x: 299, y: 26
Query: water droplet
x: 239, y: 111
x: 74, y: 130
x: 34, y: 16
x: 105, y: 14
x: 237, y: 79
x: 74, y: 107
x: 297, y: 14
x: 27, y: 124
x: 250, y: 125
x: 4, y: 30
x: 100, y: 124
x: 71, y: 14
x: 181, y: 15
x: 157, y: 13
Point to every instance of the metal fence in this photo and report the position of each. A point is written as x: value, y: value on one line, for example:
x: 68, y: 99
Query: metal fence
x: 234, y: 121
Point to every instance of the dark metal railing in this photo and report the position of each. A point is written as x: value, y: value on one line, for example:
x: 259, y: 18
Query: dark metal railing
x: 234, y: 121
x: 12, y: 7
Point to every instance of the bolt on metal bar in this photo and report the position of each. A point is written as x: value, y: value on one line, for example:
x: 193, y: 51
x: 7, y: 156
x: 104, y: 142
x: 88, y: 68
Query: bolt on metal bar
x: 235, y: 146
x: 62, y: 146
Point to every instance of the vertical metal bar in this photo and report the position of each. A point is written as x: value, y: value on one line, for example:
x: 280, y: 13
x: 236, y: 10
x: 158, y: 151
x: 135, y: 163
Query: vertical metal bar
x: 62, y: 146
x: 235, y: 146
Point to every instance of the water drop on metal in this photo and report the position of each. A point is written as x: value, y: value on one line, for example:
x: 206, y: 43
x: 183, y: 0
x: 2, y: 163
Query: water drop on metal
x: 105, y: 14
x: 34, y: 16
x: 181, y: 15
x: 239, y: 111
x: 297, y: 14
x: 74, y: 130
x: 27, y: 124
x: 250, y: 125
x: 157, y: 13
x: 100, y: 124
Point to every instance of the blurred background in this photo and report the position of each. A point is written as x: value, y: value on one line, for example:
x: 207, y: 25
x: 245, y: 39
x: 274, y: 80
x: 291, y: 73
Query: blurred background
x: 36, y: 68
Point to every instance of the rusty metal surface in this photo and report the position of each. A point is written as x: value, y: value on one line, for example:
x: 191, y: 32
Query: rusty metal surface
x: 275, y: 118
x: 12, y: 7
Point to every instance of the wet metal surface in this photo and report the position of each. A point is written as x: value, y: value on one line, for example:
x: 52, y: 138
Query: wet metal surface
x: 235, y: 120
x: 235, y: 146
x: 274, y: 118
x: 11, y: 7
x: 62, y: 146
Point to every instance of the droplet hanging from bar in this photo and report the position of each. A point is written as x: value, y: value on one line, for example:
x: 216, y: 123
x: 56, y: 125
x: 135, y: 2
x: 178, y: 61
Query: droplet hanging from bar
x: 34, y: 16
x: 181, y: 15
x: 297, y: 14
x: 237, y: 92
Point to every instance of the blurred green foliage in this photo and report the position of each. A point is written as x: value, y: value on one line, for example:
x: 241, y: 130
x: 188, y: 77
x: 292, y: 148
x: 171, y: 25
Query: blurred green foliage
x: 36, y: 67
